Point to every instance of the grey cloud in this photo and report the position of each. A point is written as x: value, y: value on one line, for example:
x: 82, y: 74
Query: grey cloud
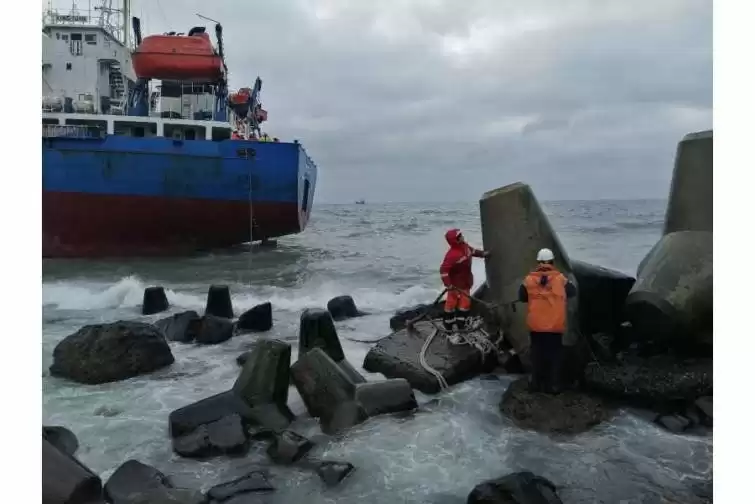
x: 581, y: 99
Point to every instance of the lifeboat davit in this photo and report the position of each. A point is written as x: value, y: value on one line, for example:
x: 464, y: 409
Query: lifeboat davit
x: 178, y: 57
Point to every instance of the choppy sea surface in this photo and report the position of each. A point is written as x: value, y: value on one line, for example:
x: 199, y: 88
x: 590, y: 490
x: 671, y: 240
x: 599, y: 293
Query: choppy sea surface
x: 386, y: 256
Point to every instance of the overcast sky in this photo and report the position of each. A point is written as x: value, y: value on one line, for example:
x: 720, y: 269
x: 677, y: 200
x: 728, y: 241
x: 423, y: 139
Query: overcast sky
x: 433, y: 100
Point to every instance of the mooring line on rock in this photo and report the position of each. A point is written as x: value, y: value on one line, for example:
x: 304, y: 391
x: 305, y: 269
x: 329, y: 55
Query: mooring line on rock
x: 437, y: 374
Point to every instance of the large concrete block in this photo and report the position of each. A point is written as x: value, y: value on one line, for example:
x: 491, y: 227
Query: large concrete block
x: 673, y: 296
x: 690, y: 205
x: 514, y: 228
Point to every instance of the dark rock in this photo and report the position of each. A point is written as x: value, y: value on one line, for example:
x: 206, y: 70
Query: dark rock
x: 397, y: 356
x: 263, y: 383
x: 332, y: 473
x: 316, y: 330
x: 257, y: 319
x: 288, y: 447
x: 66, y: 480
x: 180, y: 327
x: 390, y: 396
x: 254, y: 482
x: 602, y: 294
x: 655, y: 382
x: 154, y: 301
x: 102, y: 353
x: 705, y: 406
x: 601, y: 345
x: 327, y: 392
x: 343, y: 307
x: 61, y: 438
x: 137, y: 483
x: 674, y: 423
x: 226, y: 436
x: 219, y: 302
x: 516, y: 488
x: 400, y: 318
x: 187, y: 419
x: 213, y: 330
x: 566, y: 413
x: 693, y: 415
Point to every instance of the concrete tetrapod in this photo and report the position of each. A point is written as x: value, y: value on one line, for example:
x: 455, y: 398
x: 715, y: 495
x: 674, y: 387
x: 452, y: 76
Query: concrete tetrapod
x: 514, y: 229
x: 673, y: 296
x: 327, y: 391
x: 317, y: 330
x: 263, y: 382
x: 66, y: 480
x: 332, y: 396
x: 690, y: 203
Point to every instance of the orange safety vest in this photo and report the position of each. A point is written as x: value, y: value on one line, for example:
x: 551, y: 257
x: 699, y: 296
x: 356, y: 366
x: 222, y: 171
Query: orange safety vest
x: 546, y: 305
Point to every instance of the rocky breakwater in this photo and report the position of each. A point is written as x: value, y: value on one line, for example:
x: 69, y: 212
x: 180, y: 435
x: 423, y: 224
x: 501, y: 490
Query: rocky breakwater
x: 663, y: 356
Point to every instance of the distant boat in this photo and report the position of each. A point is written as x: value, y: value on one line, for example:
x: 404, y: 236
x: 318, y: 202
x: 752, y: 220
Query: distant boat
x: 359, y: 202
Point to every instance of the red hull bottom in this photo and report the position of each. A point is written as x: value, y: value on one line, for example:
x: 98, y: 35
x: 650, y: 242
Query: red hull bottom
x: 97, y: 225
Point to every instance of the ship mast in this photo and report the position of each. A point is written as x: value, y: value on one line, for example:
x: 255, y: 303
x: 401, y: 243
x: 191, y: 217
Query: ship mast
x: 119, y: 29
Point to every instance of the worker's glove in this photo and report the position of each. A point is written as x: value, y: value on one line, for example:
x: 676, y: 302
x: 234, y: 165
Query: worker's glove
x: 486, y: 253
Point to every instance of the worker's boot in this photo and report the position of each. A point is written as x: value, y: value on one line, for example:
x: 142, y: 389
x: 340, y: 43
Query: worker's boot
x: 462, y: 316
x: 449, y: 321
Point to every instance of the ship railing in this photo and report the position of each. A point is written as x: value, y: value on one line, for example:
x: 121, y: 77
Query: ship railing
x: 70, y: 131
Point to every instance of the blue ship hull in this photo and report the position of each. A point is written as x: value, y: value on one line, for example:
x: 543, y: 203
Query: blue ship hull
x: 120, y: 196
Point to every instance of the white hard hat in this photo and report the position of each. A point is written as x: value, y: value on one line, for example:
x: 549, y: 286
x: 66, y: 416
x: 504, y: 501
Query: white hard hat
x: 545, y: 255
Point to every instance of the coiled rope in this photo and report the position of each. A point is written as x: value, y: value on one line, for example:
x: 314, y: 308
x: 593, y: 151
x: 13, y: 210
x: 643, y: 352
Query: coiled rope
x: 473, y: 335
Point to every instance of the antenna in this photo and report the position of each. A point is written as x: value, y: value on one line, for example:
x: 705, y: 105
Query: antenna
x: 208, y: 19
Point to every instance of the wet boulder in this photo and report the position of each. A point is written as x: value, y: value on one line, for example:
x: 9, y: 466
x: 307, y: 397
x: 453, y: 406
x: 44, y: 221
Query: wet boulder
x: 566, y: 413
x: 673, y: 423
x: 102, y: 353
x: 401, y: 317
x: 397, y: 356
x: 154, y: 301
x: 137, y: 483
x: 288, y: 447
x: 389, y: 396
x: 327, y: 391
x: 264, y: 381
x: 256, y: 319
x: 255, y: 482
x: 332, y: 473
x: 226, y: 436
x: 602, y: 294
x: 213, y: 330
x: 343, y: 307
x: 181, y: 327
x: 219, y: 302
x: 66, y: 480
x: 656, y: 382
x: 61, y: 438
x: 516, y: 488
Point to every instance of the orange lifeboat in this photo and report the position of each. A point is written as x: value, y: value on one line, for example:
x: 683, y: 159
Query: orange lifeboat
x: 178, y: 57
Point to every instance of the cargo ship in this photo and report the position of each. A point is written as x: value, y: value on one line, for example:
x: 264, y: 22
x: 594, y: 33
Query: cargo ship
x: 146, y: 152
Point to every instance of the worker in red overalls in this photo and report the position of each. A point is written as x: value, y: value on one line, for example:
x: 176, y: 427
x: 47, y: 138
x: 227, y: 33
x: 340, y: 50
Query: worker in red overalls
x: 456, y: 273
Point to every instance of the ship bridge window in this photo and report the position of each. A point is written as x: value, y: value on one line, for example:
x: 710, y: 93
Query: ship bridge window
x: 135, y: 129
x: 184, y: 132
x: 76, y: 46
x: 93, y: 127
x: 220, y: 134
x: 47, y: 121
x: 90, y: 39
